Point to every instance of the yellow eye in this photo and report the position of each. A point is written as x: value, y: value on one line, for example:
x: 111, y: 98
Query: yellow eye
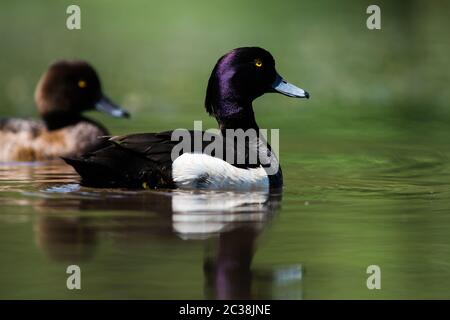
x: 82, y: 84
x: 258, y: 63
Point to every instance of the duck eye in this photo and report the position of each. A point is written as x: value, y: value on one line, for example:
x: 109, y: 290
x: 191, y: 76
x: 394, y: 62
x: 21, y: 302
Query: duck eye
x: 258, y: 63
x: 82, y: 84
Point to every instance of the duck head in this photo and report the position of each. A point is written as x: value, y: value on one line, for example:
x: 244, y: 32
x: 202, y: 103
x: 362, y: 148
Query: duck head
x: 69, y: 88
x: 239, y: 77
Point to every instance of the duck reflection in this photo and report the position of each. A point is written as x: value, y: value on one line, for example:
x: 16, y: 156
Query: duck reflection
x: 72, y: 221
x: 237, y: 220
x: 228, y: 275
x: 229, y: 223
x: 70, y: 240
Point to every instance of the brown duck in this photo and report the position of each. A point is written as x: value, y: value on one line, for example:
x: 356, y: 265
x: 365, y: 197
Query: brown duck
x: 63, y: 93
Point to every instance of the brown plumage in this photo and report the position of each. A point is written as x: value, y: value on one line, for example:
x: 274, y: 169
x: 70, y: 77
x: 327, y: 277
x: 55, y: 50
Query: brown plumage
x: 63, y: 93
x: 30, y: 140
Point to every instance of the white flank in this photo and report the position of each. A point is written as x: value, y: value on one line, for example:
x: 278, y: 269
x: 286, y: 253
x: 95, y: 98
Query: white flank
x: 196, y: 170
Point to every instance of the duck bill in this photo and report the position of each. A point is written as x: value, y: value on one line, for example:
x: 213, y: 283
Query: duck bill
x: 282, y: 86
x: 107, y: 106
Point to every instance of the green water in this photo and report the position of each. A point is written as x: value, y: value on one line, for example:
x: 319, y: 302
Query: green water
x: 365, y: 161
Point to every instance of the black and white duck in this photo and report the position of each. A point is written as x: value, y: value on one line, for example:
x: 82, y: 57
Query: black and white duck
x: 148, y: 160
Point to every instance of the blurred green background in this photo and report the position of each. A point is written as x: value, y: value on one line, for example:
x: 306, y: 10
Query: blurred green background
x: 365, y: 159
x: 155, y: 58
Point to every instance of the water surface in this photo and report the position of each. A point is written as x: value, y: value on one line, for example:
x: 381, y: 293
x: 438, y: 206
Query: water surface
x: 340, y: 212
x: 365, y: 160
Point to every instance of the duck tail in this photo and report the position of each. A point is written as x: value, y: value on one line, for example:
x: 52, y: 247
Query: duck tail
x: 92, y: 173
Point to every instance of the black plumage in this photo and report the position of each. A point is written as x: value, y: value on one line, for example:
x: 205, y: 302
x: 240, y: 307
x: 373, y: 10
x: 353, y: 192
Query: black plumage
x: 143, y: 160
x: 146, y: 160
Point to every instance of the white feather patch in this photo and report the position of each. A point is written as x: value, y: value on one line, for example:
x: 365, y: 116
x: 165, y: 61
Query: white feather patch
x: 197, y: 170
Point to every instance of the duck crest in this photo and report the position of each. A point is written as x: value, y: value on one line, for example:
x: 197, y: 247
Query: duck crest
x: 224, y: 101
